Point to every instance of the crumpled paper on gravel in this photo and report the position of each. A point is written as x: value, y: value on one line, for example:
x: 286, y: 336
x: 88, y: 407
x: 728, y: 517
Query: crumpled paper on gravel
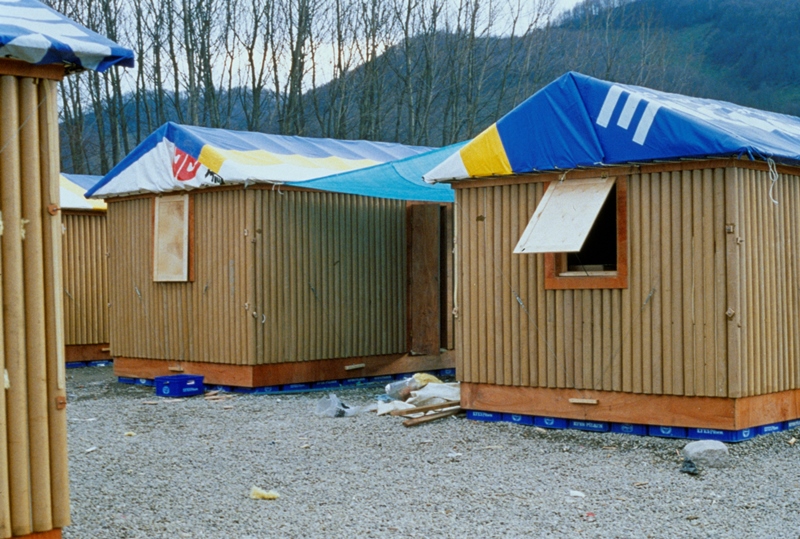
x: 435, y: 394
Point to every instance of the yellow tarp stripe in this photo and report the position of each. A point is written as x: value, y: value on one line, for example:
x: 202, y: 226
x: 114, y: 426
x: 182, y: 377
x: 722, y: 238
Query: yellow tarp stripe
x: 485, y: 155
x: 213, y: 158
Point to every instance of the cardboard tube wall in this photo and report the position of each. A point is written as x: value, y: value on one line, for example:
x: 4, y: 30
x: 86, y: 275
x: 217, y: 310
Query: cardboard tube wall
x: 14, y: 310
x: 5, y: 493
x: 54, y: 309
x: 36, y: 338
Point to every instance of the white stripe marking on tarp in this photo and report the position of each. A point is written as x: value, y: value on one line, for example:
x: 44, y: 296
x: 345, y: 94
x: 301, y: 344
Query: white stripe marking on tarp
x: 608, y: 106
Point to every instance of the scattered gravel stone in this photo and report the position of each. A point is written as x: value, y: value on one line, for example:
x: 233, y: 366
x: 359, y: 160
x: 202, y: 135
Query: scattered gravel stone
x: 707, y: 453
x: 689, y: 467
x: 189, y: 469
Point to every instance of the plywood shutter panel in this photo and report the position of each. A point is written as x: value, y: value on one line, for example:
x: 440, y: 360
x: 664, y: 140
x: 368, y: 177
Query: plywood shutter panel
x: 171, y: 239
x: 564, y: 217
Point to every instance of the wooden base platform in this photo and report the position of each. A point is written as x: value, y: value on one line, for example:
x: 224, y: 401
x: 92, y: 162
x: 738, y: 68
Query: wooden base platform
x: 52, y: 534
x: 87, y: 352
x: 298, y: 372
x: 664, y: 410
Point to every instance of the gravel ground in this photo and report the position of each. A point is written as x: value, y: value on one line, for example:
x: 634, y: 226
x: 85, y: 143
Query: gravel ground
x: 189, y: 468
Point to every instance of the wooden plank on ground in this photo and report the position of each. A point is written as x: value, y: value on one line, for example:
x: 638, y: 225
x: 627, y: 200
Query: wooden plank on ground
x: 431, y: 417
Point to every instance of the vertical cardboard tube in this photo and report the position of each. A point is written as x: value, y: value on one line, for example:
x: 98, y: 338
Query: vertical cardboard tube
x: 54, y: 307
x: 5, y: 493
x: 14, y: 310
x: 35, y: 338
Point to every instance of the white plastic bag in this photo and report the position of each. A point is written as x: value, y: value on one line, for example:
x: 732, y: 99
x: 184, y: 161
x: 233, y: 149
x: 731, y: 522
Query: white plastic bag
x: 332, y: 406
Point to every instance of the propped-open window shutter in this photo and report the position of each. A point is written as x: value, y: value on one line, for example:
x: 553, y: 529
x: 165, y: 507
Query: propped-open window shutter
x: 171, y: 239
x: 564, y: 217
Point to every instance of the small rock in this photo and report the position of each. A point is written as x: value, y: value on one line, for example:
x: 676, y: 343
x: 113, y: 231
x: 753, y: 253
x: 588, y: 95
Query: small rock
x: 707, y: 453
x: 689, y: 467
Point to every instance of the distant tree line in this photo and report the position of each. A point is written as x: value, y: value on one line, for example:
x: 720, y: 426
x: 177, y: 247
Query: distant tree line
x: 426, y: 72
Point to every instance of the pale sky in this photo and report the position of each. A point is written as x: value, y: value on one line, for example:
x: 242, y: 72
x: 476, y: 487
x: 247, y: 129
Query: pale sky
x: 561, y: 5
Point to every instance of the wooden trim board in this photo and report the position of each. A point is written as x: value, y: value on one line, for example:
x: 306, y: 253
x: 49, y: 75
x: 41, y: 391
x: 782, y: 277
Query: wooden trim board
x: 620, y: 170
x: 87, y: 352
x: 52, y: 534
x: 284, y: 373
x: 665, y: 410
x: 22, y: 69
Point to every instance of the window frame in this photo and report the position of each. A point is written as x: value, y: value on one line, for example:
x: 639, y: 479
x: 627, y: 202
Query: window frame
x: 555, y: 263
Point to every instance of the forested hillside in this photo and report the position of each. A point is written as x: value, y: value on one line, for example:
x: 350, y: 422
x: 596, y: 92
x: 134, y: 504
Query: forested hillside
x: 428, y: 72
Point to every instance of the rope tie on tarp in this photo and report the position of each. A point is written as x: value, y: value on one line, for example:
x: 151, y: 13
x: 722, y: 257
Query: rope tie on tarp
x: 773, y: 176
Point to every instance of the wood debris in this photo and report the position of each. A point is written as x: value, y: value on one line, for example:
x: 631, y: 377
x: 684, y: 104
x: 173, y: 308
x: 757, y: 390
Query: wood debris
x: 423, y: 409
x: 432, y: 417
x: 218, y: 397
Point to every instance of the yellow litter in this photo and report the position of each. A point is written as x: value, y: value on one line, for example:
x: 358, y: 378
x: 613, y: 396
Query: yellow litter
x: 260, y: 494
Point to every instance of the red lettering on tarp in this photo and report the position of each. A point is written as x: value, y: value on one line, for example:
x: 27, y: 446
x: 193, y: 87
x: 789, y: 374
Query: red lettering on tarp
x: 184, y: 166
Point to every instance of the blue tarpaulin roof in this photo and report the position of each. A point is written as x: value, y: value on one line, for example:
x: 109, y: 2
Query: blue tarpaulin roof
x: 178, y: 157
x: 34, y: 33
x: 400, y: 180
x: 579, y: 121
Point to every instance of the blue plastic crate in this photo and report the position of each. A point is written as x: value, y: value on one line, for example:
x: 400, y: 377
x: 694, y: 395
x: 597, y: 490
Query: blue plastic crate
x: 447, y: 372
x: 266, y: 390
x: 593, y: 426
x: 295, y: 388
x: 479, y: 415
x: 329, y: 384
x: 519, y: 419
x: 179, y: 385
x: 722, y: 435
x: 772, y: 427
x: 550, y: 422
x: 126, y: 380
x: 354, y: 382
x: 254, y: 390
x: 385, y: 379
x: 793, y: 424
x: 144, y: 382
x: 667, y: 432
x: 76, y: 364
x: 101, y: 363
x: 629, y: 428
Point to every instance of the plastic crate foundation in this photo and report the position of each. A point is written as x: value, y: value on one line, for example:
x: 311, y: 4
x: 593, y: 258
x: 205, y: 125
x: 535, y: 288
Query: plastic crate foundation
x: 732, y: 436
x: 179, y: 385
x: 328, y: 385
x: 82, y: 364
